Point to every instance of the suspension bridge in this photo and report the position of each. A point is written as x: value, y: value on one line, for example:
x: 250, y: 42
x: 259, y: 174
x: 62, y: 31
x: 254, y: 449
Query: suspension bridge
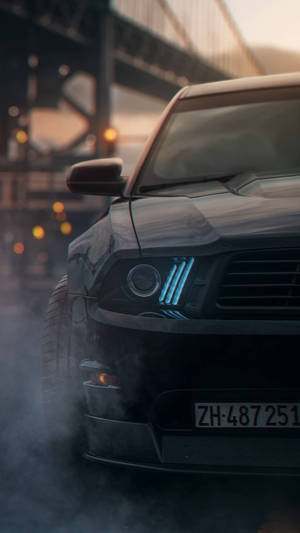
x: 152, y: 47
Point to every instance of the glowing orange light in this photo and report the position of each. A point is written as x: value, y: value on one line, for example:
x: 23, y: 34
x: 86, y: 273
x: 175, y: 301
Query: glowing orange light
x: 107, y: 379
x: 66, y: 228
x: 58, y: 207
x: 21, y: 136
x: 38, y: 232
x: 18, y: 248
x: 60, y: 217
x: 110, y: 135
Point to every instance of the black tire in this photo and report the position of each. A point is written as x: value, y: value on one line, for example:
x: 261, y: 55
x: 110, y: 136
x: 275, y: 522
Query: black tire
x: 61, y: 388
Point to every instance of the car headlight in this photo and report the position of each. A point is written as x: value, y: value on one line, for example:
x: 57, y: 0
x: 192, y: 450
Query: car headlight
x: 144, y: 280
x: 155, y: 285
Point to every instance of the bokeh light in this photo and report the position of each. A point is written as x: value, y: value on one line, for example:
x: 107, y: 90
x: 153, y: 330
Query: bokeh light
x: 66, y: 228
x: 13, y: 111
x: 110, y: 134
x: 18, y: 248
x: 64, y: 70
x: 33, y: 61
x: 60, y: 217
x: 58, y: 207
x: 38, y: 232
x: 21, y: 136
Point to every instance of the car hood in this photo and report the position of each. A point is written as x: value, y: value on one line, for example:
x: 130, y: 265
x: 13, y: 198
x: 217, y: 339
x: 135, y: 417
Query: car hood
x: 220, y: 218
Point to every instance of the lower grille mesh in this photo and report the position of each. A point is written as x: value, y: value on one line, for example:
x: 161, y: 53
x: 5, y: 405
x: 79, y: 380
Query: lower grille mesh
x: 262, y: 280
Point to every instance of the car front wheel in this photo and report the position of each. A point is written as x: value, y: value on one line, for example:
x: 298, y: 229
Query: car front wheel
x: 61, y: 387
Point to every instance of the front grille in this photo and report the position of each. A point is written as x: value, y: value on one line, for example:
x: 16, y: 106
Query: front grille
x: 262, y: 280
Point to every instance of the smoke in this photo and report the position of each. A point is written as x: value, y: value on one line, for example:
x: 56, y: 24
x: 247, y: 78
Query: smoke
x: 39, y: 493
x: 286, y: 521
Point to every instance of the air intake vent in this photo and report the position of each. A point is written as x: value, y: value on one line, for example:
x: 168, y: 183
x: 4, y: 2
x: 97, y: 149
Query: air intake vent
x: 262, y: 280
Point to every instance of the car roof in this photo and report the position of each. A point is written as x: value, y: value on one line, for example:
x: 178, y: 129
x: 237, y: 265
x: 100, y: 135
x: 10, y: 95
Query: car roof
x: 241, y: 84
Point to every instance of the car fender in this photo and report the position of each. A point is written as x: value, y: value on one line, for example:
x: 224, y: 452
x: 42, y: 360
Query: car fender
x: 110, y: 236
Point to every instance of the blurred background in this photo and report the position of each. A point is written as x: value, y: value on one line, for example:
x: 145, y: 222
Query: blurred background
x: 88, y: 78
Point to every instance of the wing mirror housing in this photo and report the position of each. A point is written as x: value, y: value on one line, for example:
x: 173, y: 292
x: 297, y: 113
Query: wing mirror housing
x: 98, y: 177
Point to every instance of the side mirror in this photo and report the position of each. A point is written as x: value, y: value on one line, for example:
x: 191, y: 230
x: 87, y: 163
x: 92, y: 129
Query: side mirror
x: 99, y: 176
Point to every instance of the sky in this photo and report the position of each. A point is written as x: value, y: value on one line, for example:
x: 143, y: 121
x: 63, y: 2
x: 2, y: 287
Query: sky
x: 268, y: 22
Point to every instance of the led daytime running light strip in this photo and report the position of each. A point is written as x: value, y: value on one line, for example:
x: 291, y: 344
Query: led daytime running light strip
x: 175, y: 282
x: 167, y: 284
x: 175, y: 314
x: 182, y: 281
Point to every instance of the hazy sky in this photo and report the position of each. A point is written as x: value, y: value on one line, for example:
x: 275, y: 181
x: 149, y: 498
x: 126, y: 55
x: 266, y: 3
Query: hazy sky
x: 268, y: 22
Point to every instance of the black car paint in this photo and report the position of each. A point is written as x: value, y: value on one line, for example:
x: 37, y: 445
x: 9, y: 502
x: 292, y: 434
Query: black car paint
x: 112, y: 235
x: 172, y: 225
x: 184, y: 222
x: 218, y: 219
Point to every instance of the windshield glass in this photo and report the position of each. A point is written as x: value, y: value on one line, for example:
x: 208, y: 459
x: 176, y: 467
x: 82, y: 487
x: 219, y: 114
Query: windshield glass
x: 224, y: 135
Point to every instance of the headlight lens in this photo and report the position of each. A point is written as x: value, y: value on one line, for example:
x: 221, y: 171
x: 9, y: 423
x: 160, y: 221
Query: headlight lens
x: 144, y: 280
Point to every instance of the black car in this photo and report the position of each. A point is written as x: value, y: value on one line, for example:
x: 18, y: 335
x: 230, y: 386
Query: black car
x: 173, y: 340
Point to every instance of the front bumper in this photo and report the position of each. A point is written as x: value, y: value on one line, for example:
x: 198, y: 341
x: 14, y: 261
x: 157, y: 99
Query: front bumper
x: 114, y: 438
x: 139, y: 445
x: 155, y: 355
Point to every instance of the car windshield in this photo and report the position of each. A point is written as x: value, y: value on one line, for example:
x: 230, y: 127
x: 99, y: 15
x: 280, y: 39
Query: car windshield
x: 224, y: 135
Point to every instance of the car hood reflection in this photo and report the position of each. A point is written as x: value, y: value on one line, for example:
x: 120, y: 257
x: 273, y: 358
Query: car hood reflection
x: 187, y: 221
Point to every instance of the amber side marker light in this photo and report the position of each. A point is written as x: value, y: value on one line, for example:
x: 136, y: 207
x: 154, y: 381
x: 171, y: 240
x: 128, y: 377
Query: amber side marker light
x: 105, y: 379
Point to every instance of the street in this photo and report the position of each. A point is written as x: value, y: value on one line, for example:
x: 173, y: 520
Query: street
x: 39, y: 493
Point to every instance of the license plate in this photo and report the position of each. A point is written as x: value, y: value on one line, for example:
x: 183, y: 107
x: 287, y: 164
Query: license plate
x: 247, y: 415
